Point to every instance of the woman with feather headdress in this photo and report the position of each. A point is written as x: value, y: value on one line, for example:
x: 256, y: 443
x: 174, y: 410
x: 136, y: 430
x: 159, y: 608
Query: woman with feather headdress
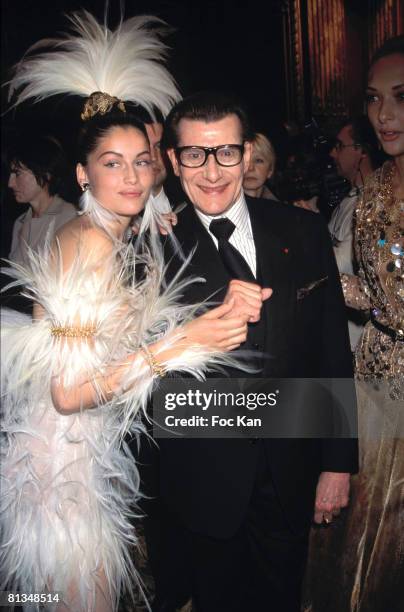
x: 77, y: 375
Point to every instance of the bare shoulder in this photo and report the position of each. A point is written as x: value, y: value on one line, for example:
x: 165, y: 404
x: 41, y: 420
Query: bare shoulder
x: 79, y: 236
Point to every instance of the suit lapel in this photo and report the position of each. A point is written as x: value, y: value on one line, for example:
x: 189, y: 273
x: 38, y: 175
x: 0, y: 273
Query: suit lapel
x: 273, y: 251
x: 206, y: 261
x: 275, y: 261
x: 275, y: 264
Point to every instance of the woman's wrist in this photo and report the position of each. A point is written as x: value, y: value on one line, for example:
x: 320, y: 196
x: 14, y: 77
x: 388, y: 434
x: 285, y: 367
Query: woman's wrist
x: 156, y: 367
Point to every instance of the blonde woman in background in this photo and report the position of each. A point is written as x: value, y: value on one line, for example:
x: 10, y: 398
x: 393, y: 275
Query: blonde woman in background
x: 261, y: 169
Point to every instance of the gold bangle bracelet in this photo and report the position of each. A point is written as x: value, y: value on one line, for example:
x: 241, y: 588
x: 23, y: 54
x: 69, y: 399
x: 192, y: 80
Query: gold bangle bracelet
x: 156, y: 368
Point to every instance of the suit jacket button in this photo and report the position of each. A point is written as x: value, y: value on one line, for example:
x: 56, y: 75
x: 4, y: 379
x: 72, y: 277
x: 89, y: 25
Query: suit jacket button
x: 256, y: 346
x: 254, y: 440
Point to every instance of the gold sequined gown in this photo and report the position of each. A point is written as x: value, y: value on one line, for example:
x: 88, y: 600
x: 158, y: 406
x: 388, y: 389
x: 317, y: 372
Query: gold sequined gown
x: 357, y: 564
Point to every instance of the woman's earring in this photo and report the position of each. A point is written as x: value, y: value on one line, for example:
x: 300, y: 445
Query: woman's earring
x: 85, y: 186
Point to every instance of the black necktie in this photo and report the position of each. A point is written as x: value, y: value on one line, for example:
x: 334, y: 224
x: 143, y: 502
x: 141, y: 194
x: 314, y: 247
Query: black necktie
x: 233, y: 261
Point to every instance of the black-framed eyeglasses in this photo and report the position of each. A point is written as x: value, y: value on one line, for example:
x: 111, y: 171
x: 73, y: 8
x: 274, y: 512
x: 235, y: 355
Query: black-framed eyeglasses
x: 225, y: 155
x: 340, y: 145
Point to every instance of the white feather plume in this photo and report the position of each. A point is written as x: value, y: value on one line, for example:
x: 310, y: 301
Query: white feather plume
x: 100, y: 215
x: 125, y: 63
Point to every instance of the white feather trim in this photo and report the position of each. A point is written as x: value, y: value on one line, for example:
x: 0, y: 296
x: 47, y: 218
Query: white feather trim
x: 68, y: 482
x: 126, y: 63
x: 100, y: 216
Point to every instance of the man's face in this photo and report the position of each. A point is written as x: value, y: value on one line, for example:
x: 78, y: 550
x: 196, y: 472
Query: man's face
x: 347, y: 158
x: 212, y: 188
x: 155, y: 132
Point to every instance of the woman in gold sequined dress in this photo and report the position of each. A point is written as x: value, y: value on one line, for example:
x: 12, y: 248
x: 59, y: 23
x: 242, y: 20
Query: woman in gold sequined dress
x: 379, y: 228
x: 364, y: 555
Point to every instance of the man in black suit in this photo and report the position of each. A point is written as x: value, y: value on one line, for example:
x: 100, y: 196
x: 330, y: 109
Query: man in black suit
x: 235, y: 513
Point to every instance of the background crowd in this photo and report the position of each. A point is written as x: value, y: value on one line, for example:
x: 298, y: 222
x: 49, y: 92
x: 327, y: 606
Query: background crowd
x: 353, y: 178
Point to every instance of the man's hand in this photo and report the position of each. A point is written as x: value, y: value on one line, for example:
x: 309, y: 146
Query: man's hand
x: 169, y: 220
x: 248, y: 299
x: 332, y: 494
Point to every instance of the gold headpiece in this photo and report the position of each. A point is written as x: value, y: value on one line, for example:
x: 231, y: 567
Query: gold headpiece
x: 102, y: 103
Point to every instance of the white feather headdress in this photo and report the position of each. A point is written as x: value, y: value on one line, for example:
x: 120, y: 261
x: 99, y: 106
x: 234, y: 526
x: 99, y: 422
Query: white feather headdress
x: 125, y: 63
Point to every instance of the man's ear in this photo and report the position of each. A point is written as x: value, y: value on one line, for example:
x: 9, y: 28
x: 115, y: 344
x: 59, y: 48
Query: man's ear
x: 174, y: 162
x: 81, y: 175
x: 247, y: 155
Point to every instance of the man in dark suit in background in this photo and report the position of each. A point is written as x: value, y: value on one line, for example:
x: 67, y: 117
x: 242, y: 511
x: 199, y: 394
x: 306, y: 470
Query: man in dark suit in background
x: 235, y: 513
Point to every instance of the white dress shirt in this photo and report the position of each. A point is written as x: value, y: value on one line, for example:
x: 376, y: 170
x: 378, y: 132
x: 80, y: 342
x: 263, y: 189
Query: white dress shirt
x: 341, y: 229
x: 242, y: 237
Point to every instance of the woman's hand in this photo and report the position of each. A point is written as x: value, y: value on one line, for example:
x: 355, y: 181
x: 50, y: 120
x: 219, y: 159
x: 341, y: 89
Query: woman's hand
x: 213, y: 331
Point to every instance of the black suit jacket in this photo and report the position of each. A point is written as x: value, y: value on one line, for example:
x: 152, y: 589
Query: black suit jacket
x: 208, y: 482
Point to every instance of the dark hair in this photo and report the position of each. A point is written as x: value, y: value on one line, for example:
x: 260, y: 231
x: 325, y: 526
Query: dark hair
x: 303, y: 174
x: 390, y: 47
x: 363, y: 133
x: 204, y: 106
x: 96, y: 128
x: 145, y: 117
x: 43, y: 155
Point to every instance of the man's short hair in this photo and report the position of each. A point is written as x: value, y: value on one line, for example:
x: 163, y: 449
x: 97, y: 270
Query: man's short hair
x: 363, y: 133
x: 205, y: 106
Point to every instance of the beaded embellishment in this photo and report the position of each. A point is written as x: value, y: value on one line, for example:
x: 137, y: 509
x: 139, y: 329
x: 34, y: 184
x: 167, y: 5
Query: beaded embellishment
x: 74, y: 332
x: 379, y: 245
x: 100, y: 103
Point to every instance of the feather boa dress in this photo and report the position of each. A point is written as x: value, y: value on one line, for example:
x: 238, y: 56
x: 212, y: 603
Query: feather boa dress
x: 68, y: 481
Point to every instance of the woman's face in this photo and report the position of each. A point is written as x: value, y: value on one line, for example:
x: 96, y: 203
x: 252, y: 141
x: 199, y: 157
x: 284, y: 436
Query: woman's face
x: 119, y: 171
x: 24, y: 184
x: 385, y: 102
x: 259, y: 170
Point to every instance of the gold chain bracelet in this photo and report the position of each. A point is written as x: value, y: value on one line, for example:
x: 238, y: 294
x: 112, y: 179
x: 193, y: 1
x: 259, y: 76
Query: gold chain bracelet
x: 156, y: 368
